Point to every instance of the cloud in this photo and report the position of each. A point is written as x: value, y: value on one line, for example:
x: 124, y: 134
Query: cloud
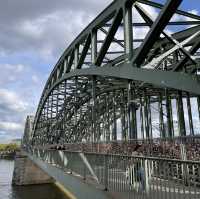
x: 43, y: 29
x: 13, y: 111
x: 10, y: 101
x: 10, y: 126
x: 48, y: 30
x: 35, y: 79
x: 33, y: 35
x: 46, y: 27
x: 11, y: 72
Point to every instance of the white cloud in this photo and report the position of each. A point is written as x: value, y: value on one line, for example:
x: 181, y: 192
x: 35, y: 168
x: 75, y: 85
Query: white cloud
x: 10, y: 101
x: 31, y: 28
x: 44, y: 27
x: 151, y: 11
x: 11, y: 73
x: 16, y: 68
x: 178, y: 17
x: 41, y: 29
x: 35, y: 79
x: 195, y: 12
x: 11, y: 126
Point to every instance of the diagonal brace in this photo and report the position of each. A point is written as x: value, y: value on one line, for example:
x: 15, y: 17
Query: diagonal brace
x: 165, y: 15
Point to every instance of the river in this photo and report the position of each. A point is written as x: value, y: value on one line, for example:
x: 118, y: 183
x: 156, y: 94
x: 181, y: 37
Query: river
x: 7, y: 191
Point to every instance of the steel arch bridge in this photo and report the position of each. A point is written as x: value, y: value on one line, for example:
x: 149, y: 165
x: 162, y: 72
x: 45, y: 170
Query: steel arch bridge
x: 121, y: 68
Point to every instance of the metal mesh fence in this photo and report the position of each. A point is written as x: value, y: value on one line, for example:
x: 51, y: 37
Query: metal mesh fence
x: 130, y: 176
x: 186, y: 148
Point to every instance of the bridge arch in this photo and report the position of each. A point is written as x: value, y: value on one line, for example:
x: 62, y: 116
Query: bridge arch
x: 106, y: 68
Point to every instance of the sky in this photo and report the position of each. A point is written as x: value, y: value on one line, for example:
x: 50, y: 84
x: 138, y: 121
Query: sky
x: 33, y: 35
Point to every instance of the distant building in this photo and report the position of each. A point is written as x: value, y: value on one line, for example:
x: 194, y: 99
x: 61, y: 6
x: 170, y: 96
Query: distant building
x: 28, y: 130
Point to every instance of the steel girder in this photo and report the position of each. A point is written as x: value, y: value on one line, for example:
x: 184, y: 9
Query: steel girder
x: 103, y: 61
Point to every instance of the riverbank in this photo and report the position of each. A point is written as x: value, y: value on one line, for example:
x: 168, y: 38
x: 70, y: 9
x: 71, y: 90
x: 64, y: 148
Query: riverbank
x: 8, y: 151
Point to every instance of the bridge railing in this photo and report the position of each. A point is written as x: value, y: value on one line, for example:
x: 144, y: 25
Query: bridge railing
x: 176, y: 148
x: 130, y: 176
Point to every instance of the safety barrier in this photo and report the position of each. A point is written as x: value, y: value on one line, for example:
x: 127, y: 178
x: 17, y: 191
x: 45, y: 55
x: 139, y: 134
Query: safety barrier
x: 141, y: 177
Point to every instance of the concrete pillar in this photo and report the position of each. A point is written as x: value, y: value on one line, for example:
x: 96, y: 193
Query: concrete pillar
x: 27, y: 173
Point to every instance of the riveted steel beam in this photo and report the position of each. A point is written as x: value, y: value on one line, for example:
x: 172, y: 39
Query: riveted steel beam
x: 84, y: 52
x: 86, y: 103
x: 128, y: 31
x: 154, y: 33
x: 113, y: 29
x: 180, y: 12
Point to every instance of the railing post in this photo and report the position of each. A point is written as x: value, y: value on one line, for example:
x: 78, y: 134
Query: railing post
x: 106, y: 172
x: 71, y: 155
x: 84, y: 172
x: 146, y: 168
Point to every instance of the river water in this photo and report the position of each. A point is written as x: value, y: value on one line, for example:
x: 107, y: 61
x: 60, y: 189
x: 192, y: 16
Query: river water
x: 7, y: 191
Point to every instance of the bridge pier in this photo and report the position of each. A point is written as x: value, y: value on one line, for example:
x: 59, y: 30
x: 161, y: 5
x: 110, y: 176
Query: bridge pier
x: 28, y: 173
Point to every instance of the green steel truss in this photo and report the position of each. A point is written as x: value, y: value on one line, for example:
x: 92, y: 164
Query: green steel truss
x: 109, y: 81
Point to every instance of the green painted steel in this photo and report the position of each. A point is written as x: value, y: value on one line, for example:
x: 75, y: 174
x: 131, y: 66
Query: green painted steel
x: 86, y: 96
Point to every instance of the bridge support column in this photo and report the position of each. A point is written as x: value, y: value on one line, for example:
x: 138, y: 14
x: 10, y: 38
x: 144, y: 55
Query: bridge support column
x: 107, y: 119
x: 181, y: 120
x: 169, y: 115
x: 75, y: 104
x: 128, y: 31
x: 94, y: 128
x: 198, y: 104
x: 141, y: 118
x: 132, y: 123
x: 146, y: 116
x: 161, y: 120
x: 114, y: 130
x: 190, y: 114
x: 149, y: 116
x: 123, y: 116
x: 28, y: 173
x: 93, y: 59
